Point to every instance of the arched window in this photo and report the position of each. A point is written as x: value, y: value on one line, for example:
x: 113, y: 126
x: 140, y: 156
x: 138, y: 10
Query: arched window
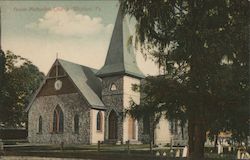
x: 113, y: 87
x: 99, y: 121
x: 58, y: 120
x: 40, y: 125
x: 76, y: 123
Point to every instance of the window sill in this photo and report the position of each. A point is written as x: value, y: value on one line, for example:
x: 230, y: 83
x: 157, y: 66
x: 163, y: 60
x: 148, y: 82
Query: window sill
x: 56, y: 133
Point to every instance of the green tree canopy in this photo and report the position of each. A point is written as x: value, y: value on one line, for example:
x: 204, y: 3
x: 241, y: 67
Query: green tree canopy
x: 203, y: 47
x: 2, y: 65
x: 21, y: 79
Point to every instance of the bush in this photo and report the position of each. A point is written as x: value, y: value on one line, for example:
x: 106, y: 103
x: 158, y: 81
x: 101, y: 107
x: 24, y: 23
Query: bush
x: 13, y: 133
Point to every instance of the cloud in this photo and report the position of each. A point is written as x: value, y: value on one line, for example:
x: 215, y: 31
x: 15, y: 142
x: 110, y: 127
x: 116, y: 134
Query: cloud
x: 64, y: 22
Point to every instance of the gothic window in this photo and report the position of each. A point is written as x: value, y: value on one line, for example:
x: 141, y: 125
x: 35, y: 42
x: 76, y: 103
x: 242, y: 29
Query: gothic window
x: 40, y: 125
x: 58, y: 120
x: 99, y: 121
x: 146, y: 125
x: 76, y: 123
x: 113, y: 87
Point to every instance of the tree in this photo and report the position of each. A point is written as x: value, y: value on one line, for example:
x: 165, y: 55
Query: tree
x: 2, y: 64
x: 21, y: 79
x: 144, y: 111
x: 203, y: 46
x: 153, y: 102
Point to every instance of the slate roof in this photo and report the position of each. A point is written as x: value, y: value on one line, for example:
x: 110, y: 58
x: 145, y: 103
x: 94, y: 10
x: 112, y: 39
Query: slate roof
x: 85, y: 80
x: 120, y: 58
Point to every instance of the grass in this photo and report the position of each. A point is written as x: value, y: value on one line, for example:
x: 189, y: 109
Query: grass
x: 104, y: 147
x: 107, y: 152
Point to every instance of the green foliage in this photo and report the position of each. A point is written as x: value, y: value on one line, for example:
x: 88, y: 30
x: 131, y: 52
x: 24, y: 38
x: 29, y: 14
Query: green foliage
x: 2, y: 67
x: 202, y: 46
x: 21, y: 79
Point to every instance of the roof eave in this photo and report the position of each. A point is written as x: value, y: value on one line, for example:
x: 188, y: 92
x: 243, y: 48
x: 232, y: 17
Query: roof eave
x: 135, y: 75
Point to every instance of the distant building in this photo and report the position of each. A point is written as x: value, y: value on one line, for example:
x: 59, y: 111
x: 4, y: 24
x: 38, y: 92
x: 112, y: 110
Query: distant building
x: 79, y: 104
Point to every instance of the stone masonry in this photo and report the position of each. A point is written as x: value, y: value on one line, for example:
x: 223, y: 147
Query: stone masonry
x: 113, y: 100
x: 71, y: 104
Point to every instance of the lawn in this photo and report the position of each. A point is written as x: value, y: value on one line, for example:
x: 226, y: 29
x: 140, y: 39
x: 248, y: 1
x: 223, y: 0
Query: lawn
x: 107, y: 152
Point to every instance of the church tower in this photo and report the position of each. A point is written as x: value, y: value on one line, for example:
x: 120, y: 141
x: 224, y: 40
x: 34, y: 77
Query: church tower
x: 118, y: 74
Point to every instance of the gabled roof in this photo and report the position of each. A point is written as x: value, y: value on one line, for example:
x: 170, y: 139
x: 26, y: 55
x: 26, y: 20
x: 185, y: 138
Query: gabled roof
x: 85, y: 80
x: 120, y: 58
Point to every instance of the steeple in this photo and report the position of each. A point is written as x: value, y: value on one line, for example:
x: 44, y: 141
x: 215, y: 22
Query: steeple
x: 120, y: 59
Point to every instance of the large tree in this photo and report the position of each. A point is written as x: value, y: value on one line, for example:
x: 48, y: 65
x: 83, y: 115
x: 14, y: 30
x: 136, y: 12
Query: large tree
x: 21, y: 78
x: 2, y: 64
x: 202, y: 46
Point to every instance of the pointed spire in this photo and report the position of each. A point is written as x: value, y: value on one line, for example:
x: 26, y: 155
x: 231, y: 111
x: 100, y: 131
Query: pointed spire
x: 120, y: 59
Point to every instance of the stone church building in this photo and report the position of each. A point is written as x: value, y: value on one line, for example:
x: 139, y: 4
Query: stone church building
x: 77, y: 104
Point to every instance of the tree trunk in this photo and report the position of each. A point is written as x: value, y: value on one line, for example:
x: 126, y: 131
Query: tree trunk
x: 215, y: 141
x: 197, y: 136
x: 151, y: 130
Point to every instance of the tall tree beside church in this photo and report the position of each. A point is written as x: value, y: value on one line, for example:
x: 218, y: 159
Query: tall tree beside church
x: 21, y: 79
x: 203, y: 46
x: 2, y: 70
x: 2, y: 66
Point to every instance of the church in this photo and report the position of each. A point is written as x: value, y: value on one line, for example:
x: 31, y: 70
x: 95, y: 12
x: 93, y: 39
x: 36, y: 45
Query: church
x: 77, y: 104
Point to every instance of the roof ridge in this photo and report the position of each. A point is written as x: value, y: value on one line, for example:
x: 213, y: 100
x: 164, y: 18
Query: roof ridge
x: 76, y: 63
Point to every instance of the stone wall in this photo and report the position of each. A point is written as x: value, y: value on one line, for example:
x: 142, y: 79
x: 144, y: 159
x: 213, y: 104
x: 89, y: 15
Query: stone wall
x: 71, y: 104
x: 119, y: 100
x: 113, y: 100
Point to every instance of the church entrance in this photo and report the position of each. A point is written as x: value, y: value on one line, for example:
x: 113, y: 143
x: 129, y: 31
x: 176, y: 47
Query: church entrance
x: 112, y: 125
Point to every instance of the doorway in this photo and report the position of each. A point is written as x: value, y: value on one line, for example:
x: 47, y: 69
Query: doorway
x: 112, y: 125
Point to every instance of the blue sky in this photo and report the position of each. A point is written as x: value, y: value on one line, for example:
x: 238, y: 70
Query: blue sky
x: 79, y: 31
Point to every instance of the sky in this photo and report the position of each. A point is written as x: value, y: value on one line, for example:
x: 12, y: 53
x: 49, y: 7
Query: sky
x: 77, y: 31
